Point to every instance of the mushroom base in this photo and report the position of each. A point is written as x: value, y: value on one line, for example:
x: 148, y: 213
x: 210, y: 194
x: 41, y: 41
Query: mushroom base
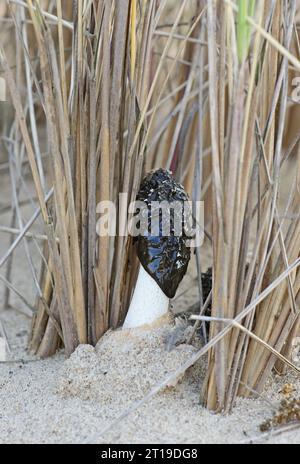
x: 148, y: 303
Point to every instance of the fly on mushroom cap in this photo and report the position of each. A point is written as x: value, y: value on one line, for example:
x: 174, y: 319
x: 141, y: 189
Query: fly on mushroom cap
x: 164, y: 257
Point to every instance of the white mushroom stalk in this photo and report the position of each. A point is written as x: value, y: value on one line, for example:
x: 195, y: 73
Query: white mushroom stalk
x: 148, y: 304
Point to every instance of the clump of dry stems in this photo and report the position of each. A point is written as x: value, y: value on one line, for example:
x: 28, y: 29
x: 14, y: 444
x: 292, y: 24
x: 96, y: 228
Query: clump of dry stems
x: 202, y: 87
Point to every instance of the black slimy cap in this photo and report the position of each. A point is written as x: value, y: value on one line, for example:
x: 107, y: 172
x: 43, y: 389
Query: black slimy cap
x: 165, y: 258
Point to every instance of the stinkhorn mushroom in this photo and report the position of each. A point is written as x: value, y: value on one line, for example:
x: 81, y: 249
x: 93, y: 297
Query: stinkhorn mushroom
x: 164, y: 257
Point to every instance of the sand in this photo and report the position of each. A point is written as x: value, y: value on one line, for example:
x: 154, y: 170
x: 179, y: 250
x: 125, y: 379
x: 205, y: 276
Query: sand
x: 73, y: 401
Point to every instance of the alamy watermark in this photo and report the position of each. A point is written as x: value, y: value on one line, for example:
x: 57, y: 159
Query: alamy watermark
x: 155, y: 218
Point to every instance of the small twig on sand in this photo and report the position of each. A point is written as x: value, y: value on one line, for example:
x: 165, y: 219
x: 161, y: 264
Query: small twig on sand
x: 271, y: 433
x: 14, y: 231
